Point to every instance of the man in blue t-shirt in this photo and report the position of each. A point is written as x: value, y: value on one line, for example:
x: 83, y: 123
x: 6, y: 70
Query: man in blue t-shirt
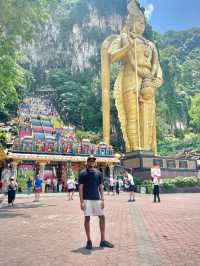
x: 37, y: 187
x: 29, y: 185
x: 92, y: 199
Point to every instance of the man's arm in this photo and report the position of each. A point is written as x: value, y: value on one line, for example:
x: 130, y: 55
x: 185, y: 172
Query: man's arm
x: 101, y: 191
x: 101, y: 195
x: 82, y: 204
x: 81, y: 192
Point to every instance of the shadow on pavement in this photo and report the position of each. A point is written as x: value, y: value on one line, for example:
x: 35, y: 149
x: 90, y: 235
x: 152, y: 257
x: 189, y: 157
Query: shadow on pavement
x: 6, y: 213
x: 32, y: 205
x: 85, y: 251
x: 21, y: 206
x: 10, y: 212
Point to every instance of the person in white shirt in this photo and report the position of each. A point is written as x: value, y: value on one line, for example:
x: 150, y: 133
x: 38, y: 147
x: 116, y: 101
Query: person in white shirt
x: 48, y: 185
x: 55, y: 183
x: 60, y: 187
x: 156, y: 181
x: 111, y: 185
x: 70, y: 188
x: 131, y: 186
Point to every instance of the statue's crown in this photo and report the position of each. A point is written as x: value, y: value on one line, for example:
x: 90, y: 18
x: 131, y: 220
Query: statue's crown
x: 134, y: 8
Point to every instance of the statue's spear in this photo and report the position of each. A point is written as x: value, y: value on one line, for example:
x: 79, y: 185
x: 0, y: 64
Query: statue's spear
x: 133, y: 5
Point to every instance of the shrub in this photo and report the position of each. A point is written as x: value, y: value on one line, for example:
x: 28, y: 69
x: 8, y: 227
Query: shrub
x: 146, y: 183
x: 138, y: 181
x: 168, y: 183
x: 180, y: 182
x: 186, y: 181
x: 22, y: 183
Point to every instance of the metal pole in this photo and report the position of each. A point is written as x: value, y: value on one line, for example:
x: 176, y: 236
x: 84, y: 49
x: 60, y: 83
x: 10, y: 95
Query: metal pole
x: 137, y: 90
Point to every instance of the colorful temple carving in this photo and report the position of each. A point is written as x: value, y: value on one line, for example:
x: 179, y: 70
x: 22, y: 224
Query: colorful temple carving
x: 45, y: 145
x: 42, y: 131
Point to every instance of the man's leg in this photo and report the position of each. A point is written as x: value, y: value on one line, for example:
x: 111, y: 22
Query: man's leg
x: 87, y: 231
x: 154, y: 194
x: 133, y: 195
x: 72, y: 195
x: 158, y: 194
x: 113, y: 191
x: 103, y: 243
x: 102, y: 226
x: 87, y: 227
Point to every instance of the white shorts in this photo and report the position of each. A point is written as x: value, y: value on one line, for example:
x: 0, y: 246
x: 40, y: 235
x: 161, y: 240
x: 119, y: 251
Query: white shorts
x: 93, y: 208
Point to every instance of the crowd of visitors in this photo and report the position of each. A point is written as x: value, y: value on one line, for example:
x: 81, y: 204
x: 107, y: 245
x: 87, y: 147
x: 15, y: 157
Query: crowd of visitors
x: 114, y: 185
x: 124, y: 183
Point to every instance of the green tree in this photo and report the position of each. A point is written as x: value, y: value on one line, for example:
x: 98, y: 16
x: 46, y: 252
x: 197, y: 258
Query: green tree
x: 195, y: 112
x: 20, y: 21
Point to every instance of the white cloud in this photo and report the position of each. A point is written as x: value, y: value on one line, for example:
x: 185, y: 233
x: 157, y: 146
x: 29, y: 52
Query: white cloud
x: 149, y: 10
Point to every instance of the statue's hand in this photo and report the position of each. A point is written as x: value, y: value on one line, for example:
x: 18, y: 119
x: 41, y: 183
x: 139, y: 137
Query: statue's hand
x: 147, y: 75
x: 157, y: 82
x: 133, y: 35
x: 131, y: 41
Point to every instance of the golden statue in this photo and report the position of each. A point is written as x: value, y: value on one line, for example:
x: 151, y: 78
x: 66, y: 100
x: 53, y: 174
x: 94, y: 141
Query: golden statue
x: 134, y: 90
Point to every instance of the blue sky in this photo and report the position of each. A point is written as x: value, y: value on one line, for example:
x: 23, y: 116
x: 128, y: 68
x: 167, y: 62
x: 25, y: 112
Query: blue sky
x: 176, y: 15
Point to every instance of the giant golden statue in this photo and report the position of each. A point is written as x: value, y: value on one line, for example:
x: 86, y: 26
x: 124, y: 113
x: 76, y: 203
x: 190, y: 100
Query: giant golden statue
x: 134, y: 90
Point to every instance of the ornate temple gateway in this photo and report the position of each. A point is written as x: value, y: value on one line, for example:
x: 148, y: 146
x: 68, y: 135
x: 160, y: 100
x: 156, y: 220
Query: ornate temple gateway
x: 44, y: 145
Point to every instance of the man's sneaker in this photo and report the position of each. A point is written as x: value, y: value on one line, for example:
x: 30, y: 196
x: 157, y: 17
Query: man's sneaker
x: 89, y: 244
x: 106, y: 244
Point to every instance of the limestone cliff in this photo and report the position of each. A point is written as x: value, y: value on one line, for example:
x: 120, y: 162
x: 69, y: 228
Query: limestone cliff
x: 74, y: 33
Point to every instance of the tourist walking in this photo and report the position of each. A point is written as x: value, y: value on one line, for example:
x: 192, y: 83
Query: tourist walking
x: 70, y: 188
x: 92, y: 200
x: 131, y: 187
x: 60, y: 186
x: 37, y: 187
x: 12, y: 187
x: 1, y: 186
x: 48, y: 184
x: 117, y: 187
x: 111, y: 185
x: 29, y: 184
x: 55, y: 185
x: 156, y: 192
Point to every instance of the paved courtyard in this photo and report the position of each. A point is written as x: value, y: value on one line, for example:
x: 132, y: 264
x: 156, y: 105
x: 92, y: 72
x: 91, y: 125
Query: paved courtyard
x: 144, y: 233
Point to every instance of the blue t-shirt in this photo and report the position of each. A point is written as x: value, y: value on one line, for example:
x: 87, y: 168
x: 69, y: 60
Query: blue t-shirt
x: 29, y: 183
x: 91, y: 179
x: 38, y: 182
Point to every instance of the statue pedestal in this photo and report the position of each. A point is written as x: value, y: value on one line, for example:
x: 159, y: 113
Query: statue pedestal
x: 139, y: 153
x: 141, y: 163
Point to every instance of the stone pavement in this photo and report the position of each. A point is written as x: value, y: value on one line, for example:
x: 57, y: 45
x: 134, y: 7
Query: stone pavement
x: 144, y: 233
